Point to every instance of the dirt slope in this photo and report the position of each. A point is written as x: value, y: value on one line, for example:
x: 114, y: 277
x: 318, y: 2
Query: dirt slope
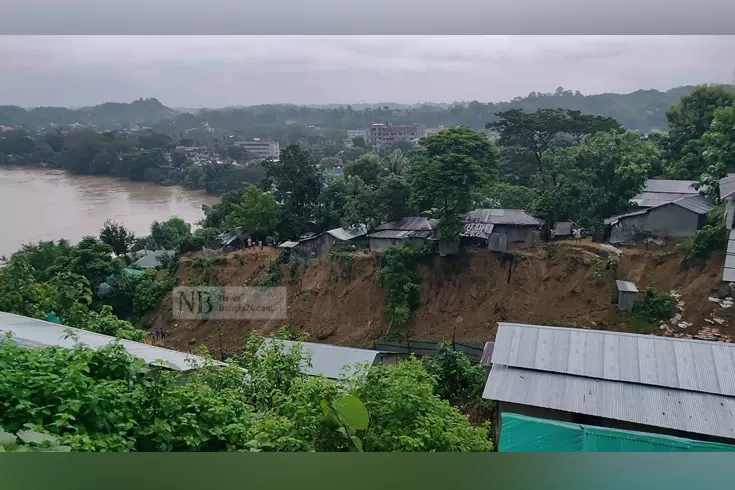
x: 465, y: 297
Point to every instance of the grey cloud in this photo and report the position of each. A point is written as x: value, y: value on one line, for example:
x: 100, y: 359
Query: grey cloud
x: 217, y: 71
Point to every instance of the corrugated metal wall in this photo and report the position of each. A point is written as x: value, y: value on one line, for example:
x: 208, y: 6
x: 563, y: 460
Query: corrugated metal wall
x: 528, y: 434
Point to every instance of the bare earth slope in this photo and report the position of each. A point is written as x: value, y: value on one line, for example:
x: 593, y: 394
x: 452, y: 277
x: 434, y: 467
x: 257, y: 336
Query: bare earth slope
x: 561, y: 284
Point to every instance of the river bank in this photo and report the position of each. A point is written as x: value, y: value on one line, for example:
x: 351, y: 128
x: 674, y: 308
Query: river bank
x: 39, y: 203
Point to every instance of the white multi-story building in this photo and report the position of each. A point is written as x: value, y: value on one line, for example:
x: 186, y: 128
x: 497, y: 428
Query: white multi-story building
x: 357, y: 133
x: 383, y: 135
x: 261, y: 149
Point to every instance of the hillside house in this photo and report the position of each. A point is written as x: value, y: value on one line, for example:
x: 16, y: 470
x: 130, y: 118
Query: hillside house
x: 498, y: 227
x: 644, y: 383
x: 316, y: 245
x: 659, y: 191
x: 154, y: 260
x: 564, y: 229
x: 412, y: 231
x: 676, y: 219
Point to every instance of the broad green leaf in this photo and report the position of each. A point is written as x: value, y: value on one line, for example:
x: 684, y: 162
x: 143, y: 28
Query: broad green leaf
x: 56, y: 449
x: 358, y: 443
x: 7, y: 439
x: 34, y: 437
x: 352, y: 412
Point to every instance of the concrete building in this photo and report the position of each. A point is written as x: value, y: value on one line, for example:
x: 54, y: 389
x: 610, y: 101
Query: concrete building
x: 676, y: 219
x: 658, y: 191
x: 383, y: 135
x: 645, y: 383
x: 358, y: 133
x: 261, y: 149
x: 413, y: 231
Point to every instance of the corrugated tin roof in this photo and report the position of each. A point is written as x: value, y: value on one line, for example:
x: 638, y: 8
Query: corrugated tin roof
x: 694, y: 203
x: 501, y: 217
x: 670, y: 186
x: 698, y: 204
x: 689, y: 411
x: 693, y: 365
x: 626, y: 286
x: 728, y: 272
x: 653, y: 199
x: 727, y: 186
x: 614, y: 219
x: 32, y: 333
x: 477, y: 230
x: 330, y: 360
x: 415, y: 223
x: 288, y: 244
x: 400, y: 234
x: 349, y: 233
x: 153, y: 259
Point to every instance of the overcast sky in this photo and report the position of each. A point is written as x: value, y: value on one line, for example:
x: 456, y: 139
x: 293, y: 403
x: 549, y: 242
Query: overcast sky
x: 218, y: 71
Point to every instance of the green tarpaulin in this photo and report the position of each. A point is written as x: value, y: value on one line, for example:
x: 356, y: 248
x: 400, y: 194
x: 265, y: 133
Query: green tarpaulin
x: 520, y: 433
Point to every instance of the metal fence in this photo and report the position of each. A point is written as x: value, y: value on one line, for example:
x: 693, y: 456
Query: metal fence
x: 404, y: 349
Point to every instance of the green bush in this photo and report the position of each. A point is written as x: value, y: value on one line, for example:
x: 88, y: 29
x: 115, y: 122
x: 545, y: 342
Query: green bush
x: 107, y: 400
x: 654, y: 306
x: 458, y: 378
x: 400, y: 276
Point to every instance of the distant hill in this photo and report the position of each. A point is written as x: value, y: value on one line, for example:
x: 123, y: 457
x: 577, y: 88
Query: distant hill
x: 642, y: 110
x: 110, y: 115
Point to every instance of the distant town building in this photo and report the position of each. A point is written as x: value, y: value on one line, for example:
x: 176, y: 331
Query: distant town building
x: 432, y: 131
x: 383, y: 135
x: 400, y: 113
x: 261, y: 149
x: 357, y: 133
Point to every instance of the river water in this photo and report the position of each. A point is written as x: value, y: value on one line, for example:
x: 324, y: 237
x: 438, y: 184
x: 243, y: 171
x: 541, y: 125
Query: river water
x: 43, y: 204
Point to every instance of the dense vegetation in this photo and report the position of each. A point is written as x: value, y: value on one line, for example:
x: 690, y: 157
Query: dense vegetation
x: 106, y: 400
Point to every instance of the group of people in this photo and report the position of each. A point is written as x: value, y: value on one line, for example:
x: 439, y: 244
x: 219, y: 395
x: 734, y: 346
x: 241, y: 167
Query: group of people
x: 252, y: 243
x: 155, y: 335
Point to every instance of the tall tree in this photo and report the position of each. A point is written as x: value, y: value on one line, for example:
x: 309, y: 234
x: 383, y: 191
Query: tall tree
x: 688, y: 120
x: 719, y: 150
x: 367, y: 168
x: 536, y: 132
x: 117, y: 237
x: 171, y: 233
x: 595, y: 179
x: 256, y: 213
x: 298, y: 183
x: 444, y: 176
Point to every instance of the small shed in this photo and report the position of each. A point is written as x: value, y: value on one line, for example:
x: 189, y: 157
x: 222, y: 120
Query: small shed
x: 624, y: 295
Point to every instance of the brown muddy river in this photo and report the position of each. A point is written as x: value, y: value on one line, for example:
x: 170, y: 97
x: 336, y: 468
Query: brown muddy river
x: 42, y: 204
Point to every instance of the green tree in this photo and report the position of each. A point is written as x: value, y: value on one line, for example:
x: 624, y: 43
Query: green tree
x: 193, y: 177
x: 169, y: 234
x: 396, y: 163
x: 332, y: 202
x: 119, y: 238
x: 257, y: 213
x: 393, y: 197
x: 91, y: 259
x: 367, y: 168
x: 688, y: 120
x: 298, y: 183
x: 718, y: 145
x: 535, y: 133
x: 597, y: 178
x: 178, y: 158
x: 361, y: 205
x: 454, y: 163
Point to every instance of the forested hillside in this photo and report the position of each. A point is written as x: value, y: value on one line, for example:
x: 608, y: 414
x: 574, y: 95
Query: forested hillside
x: 642, y: 110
